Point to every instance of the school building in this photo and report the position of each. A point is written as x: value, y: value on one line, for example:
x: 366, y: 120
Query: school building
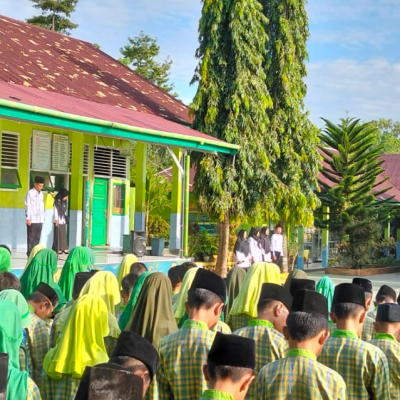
x: 69, y: 113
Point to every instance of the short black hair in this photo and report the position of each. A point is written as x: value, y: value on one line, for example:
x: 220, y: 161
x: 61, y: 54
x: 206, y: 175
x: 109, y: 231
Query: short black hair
x: 303, y: 325
x: 174, y: 274
x: 138, y: 268
x: 38, y: 297
x: 9, y: 281
x: 347, y: 310
x: 128, y: 282
x: 223, y: 372
x: 202, y: 298
x: 131, y: 364
x: 264, y: 304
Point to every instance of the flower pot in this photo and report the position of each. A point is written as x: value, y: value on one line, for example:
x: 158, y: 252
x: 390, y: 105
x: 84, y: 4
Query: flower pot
x: 157, y: 246
x: 206, y: 258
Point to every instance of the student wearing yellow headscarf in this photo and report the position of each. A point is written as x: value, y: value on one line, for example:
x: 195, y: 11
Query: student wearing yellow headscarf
x: 81, y: 344
x: 125, y: 267
x: 244, y: 306
x: 105, y: 285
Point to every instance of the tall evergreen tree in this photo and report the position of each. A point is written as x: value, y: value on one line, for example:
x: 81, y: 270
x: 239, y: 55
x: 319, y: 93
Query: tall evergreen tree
x: 298, y: 162
x: 140, y: 55
x: 230, y: 104
x: 55, y: 15
x: 351, y: 166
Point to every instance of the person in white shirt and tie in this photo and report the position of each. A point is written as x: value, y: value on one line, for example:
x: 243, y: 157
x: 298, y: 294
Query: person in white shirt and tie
x: 34, y: 210
x: 277, y: 245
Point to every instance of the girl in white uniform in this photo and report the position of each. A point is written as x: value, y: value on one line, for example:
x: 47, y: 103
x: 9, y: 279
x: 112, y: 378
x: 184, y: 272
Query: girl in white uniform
x: 255, y: 245
x: 242, y: 250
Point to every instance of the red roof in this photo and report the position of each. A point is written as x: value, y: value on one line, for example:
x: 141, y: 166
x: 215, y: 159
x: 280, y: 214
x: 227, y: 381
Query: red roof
x: 391, y: 165
x: 55, y: 63
x: 84, y: 108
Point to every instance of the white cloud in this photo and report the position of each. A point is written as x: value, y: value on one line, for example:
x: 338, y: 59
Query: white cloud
x: 368, y: 90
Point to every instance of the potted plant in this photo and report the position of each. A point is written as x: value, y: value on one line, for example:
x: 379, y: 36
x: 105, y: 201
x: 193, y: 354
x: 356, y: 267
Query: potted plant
x: 208, y: 245
x: 158, y: 232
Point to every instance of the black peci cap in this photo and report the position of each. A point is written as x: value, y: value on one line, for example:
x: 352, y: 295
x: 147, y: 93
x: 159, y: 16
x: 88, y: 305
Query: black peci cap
x: 301, y: 284
x: 275, y: 292
x: 49, y: 292
x: 388, y: 312
x: 310, y: 301
x: 366, y: 284
x: 130, y: 344
x: 349, y: 293
x: 39, y: 179
x: 208, y: 280
x: 387, y: 291
x: 233, y: 350
x: 80, y: 280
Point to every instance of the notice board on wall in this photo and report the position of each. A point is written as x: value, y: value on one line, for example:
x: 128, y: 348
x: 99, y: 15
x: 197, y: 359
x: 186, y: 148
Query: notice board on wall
x: 41, y: 150
x: 60, y: 158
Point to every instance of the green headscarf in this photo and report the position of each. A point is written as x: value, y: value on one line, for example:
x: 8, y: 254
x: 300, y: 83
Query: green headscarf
x: 33, y: 253
x: 77, y: 261
x: 92, y: 257
x: 19, y: 300
x: 153, y: 317
x: 126, y: 315
x: 41, y: 269
x: 5, y: 260
x: 10, y: 340
x: 294, y: 274
x: 326, y: 287
x: 234, y: 282
x: 247, y: 299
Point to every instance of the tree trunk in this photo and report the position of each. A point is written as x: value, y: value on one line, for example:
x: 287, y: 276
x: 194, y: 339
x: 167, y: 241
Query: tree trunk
x: 223, y: 247
x: 284, y: 260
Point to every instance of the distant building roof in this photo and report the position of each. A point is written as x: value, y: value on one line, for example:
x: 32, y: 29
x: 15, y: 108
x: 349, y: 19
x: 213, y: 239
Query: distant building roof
x: 35, y: 57
x: 391, y: 165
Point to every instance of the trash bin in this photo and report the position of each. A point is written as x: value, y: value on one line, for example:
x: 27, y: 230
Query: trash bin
x: 157, y: 246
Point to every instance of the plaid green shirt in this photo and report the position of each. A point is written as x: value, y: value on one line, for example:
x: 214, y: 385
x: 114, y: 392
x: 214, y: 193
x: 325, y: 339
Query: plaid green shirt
x: 270, y: 346
x: 182, y: 356
x: 61, y: 389
x: 300, y: 376
x: 368, y: 332
x: 363, y: 366
x: 238, y: 321
x: 37, y: 347
x: 32, y: 392
x: 391, y: 347
x: 223, y: 328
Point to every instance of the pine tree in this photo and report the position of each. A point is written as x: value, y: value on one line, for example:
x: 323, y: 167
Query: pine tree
x: 140, y: 55
x: 230, y: 104
x: 352, y: 168
x: 55, y: 15
x: 298, y: 162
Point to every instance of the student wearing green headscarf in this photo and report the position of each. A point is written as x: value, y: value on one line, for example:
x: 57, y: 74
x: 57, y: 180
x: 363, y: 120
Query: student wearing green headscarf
x: 41, y: 269
x: 80, y: 345
x: 77, y: 261
x: 92, y: 257
x: 19, y: 385
x: 126, y: 314
x: 244, y: 306
x: 33, y: 253
x: 5, y: 260
x: 105, y: 285
x: 234, y: 282
x: 152, y: 317
x: 326, y: 287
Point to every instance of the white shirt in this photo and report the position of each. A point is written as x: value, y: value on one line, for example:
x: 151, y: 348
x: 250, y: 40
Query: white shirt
x: 277, y: 242
x: 242, y: 260
x: 59, y: 218
x: 255, y: 250
x: 34, y: 206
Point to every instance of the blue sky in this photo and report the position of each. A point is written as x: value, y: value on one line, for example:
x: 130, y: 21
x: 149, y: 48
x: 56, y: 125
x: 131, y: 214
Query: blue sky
x: 354, y: 47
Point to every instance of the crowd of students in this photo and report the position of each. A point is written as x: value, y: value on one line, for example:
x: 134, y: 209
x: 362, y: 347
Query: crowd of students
x: 88, y: 334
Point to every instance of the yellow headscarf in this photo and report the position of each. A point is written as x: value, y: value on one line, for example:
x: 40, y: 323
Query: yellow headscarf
x: 179, y: 306
x: 105, y: 285
x: 34, y: 251
x: 125, y: 267
x: 247, y: 299
x: 81, y: 342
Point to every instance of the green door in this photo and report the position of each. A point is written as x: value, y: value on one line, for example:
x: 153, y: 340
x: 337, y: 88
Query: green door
x: 99, y: 212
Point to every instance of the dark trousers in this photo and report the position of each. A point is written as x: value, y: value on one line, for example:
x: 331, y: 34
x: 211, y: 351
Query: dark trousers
x: 278, y: 256
x: 60, y: 238
x: 34, y: 232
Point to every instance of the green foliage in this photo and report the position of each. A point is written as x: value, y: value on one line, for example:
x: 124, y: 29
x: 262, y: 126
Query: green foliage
x: 140, y: 55
x: 55, y: 15
x: 294, y: 136
x: 202, y: 244
x: 158, y: 227
x: 388, y: 135
x: 351, y: 165
x: 230, y: 104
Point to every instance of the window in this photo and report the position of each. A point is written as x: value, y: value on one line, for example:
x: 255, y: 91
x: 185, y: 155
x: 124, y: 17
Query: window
x: 49, y: 184
x: 86, y: 159
x: 119, y: 199
x: 9, y: 161
x: 109, y: 163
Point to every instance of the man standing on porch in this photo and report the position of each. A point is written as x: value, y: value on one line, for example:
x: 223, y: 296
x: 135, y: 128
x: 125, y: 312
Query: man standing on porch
x: 34, y: 210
